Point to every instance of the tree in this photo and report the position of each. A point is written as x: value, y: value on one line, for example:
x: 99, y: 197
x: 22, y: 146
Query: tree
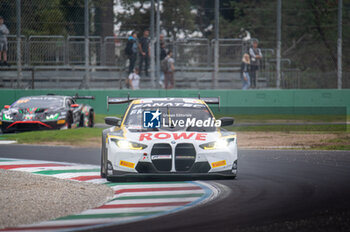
x: 73, y: 12
x: 176, y: 17
x: 42, y: 18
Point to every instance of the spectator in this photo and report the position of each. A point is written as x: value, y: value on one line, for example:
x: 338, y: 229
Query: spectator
x: 245, y: 71
x: 162, y: 47
x: 144, y: 49
x: 162, y: 57
x: 3, y: 42
x: 131, y: 51
x: 255, y: 58
x: 168, y: 68
x: 134, y: 79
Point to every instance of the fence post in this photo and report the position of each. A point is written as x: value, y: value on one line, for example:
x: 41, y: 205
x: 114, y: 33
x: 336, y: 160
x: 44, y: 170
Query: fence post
x: 19, y: 57
x: 86, y: 32
x: 216, y: 51
x: 158, y: 43
x: 278, y: 52
x: 339, y: 43
x: 152, y: 46
x: 33, y: 77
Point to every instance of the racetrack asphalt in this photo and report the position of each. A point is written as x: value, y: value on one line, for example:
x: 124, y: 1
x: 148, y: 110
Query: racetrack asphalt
x: 292, y: 190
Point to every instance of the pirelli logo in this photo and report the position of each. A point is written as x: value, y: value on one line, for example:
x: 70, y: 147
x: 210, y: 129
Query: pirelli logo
x: 126, y: 164
x: 218, y: 164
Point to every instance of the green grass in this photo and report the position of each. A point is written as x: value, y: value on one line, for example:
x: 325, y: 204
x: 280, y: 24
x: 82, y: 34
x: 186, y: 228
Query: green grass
x: 100, y: 118
x: 286, y: 118
x: 68, y: 136
x: 344, y: 147
x: 87, y: 135
x: 287, y: 128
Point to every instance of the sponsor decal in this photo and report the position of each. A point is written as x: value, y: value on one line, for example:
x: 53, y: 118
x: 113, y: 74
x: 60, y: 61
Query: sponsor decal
x: 218, y: 164
x: 52, y: 116
x: 151, y: 118
x: 7, y: 117
x: 62, y: 121
x: 21, y: 101
x: 169, y: 104
x: 155, y: 157
x: 173, y: 135
x: 126, y: 164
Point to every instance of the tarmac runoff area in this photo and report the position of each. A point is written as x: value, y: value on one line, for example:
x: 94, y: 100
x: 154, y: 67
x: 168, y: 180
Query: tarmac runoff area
x: 51, y: 200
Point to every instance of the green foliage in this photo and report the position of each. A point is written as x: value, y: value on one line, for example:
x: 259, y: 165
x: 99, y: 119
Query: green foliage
x: 42, y: 19
x: 135, y: 17
x: 73, y: 135
x: 176, y: 17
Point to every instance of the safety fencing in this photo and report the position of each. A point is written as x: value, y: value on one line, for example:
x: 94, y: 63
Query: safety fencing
x: 109, y: 51
x: 194, y: 56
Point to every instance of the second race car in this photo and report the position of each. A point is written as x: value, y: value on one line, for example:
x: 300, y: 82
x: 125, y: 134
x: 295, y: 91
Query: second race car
x: 46, y: 112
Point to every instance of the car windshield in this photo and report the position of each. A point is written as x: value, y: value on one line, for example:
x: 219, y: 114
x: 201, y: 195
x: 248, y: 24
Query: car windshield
x: 172, y: 118
x: 39, y: 102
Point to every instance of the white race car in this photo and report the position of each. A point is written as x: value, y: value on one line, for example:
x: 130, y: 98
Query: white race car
x: 168, y: 137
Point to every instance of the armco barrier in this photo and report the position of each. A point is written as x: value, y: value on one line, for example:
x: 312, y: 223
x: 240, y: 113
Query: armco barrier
x: 252, y: 99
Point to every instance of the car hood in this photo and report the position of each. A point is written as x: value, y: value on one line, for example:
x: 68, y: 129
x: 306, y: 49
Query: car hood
x: 173, y: 137
x: 30, y: 113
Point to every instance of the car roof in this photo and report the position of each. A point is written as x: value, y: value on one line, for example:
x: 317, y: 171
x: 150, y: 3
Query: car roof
x: 46, y: 96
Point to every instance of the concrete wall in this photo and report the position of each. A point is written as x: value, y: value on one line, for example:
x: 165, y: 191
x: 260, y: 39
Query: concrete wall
x: 251, y: 101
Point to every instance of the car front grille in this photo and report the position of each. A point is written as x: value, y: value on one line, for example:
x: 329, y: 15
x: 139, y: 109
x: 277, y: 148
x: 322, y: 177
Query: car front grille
x: 185, y: 155
x: 161, y: 156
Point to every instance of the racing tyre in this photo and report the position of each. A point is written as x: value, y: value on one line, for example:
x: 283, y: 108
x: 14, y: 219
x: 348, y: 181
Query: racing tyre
x: 81, y: 121
x: 103, y: 159
x: 69, y: 120
x: 91, y: 119
x: 3, y: 130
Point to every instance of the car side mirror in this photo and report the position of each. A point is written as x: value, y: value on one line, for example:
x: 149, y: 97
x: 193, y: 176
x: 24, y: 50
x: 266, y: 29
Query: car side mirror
x: 74, y: 105
x: 227, y: 121
x: 113, y: 121
x: 6, y: 107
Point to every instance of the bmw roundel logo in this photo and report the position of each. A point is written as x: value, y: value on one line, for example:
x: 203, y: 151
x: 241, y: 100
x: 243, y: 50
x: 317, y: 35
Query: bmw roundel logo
x: 173, y: 142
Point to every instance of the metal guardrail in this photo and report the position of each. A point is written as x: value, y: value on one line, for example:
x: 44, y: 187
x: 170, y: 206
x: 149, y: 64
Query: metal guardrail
x: 60, y: 50
x: 193, y: 55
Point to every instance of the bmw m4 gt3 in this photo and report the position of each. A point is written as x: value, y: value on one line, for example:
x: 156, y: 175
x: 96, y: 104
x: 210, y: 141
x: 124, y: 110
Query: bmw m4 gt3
x: 46, y: 112
x: 167, y: 137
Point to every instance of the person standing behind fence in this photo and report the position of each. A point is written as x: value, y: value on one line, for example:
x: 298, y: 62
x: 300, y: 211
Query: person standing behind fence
x: 255, y: 58
x: 167, y: 66
x: 144, y: 50
x: 163, y: 54
x: 245, y: 71
x: 134, y: 79
x: 131, y: 51
x: 3, y: 42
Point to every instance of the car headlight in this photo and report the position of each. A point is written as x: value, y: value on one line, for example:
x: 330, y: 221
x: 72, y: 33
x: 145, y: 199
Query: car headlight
x: 6, y: 117
x: 127, y: 145
x: 52, y: 116
x: 221, y: 143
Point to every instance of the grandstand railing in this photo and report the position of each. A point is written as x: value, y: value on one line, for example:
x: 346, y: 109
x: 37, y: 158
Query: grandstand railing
x: 109, y: 51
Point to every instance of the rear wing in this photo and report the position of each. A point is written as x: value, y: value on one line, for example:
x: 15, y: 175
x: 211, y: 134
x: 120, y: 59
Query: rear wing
x: 124, y: 100
x: 211, y: 100
x: 83, y: 97
x: 119, y: 100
